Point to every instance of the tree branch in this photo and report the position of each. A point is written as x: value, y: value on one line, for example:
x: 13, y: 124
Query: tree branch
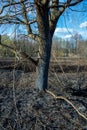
x: 34, y: 37
x: 10, y: 4
x: 25, y: 56
x: 74, y: 3
x: 20, y: 54
x: 77, y: 10
x: 58, y: 9
x: 54, y: 18
x: 25, y: 17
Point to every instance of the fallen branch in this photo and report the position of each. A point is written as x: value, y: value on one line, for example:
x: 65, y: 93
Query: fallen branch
x: 19, y: 54
x: 69, y: 102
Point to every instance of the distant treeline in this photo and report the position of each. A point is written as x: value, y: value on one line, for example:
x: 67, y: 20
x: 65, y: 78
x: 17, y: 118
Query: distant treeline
x: 75, y: 46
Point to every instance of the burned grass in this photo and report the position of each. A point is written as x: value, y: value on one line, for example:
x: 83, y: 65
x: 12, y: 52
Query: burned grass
x: 22, y: 107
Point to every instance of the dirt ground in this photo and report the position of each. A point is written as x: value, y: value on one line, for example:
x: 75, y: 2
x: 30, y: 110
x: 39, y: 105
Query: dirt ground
x: 23, y: 107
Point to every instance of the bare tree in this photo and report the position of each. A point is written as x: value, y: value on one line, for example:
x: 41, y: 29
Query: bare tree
x: 40, y: 18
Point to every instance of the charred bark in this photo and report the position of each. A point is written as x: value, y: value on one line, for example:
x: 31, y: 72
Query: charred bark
x: 45, y: 42
x: 43, y: 66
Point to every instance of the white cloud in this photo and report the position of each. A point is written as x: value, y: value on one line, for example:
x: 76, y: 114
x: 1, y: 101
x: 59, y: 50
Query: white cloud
x: 67, y: 36
x: 82, y: 25
x: 63, y: 30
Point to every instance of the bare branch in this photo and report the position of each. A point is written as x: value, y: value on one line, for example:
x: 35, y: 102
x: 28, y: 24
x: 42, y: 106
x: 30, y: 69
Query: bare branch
x: 31, y: 22
x: 20, y: 54
x: 12, y: 3
x: 25, y: 56
x: 25, y: 17
x: 77, y: 10
x: 57, y: 9
x: 74, y: 3
x: 54, y: 18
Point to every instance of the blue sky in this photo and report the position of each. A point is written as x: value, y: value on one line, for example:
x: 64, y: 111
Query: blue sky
x: 72, y: 22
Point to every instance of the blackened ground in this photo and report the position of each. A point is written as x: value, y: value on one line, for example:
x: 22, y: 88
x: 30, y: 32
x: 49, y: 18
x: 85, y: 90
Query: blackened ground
x: 22, y: 107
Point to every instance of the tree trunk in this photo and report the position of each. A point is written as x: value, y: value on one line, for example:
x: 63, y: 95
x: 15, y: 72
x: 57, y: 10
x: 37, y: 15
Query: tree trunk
x: 45, y: 42
x: 43, y: 66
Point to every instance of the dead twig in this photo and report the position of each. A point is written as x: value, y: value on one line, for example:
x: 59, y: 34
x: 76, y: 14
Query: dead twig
x: 69, y: 102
